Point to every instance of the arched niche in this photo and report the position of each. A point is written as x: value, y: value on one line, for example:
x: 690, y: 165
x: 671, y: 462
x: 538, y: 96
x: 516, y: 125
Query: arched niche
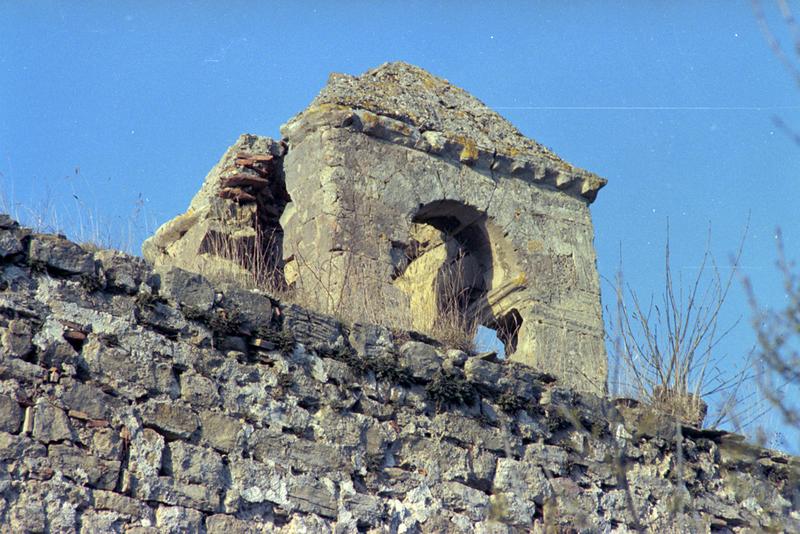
x: 459, y: 270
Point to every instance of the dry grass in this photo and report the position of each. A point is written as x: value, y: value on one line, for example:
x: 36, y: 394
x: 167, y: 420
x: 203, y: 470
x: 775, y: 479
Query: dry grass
x: 252, y: 265
x: 346, y: 287
x: 77, y: 219
x: 454, y: 325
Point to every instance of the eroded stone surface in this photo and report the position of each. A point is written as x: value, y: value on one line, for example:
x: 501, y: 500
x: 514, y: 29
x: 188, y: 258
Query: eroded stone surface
x: 398, y: 198
x: 231, y: 226
x: 137, y: 424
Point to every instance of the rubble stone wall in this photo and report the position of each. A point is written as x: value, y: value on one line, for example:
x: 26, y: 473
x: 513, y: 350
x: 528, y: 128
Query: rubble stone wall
x: 141, y: 401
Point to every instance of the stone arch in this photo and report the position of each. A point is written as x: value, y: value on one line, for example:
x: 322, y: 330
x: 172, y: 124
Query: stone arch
x: 457, y: 264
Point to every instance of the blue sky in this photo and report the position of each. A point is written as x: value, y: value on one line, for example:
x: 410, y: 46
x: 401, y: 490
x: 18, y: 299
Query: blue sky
x: 116, y: 112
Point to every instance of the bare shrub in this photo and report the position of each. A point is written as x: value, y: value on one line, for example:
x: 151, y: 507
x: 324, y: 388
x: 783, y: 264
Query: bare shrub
x: 667, y: 350
x: 778, y: 334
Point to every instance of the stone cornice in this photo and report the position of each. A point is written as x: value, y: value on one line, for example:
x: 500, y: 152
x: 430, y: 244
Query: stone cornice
x: 545, y: 171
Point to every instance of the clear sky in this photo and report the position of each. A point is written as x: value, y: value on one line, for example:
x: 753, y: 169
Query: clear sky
x: 114, y: 113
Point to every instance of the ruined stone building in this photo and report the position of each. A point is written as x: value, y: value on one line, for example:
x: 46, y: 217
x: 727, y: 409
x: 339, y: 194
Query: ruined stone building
x: 142, y: 399
x: 404, y: 199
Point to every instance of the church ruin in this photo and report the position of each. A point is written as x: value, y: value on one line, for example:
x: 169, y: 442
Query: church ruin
x: 406, y: 200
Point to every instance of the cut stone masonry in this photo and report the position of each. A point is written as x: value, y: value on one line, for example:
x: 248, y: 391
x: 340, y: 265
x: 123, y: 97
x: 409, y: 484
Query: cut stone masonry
x: 401, y: 196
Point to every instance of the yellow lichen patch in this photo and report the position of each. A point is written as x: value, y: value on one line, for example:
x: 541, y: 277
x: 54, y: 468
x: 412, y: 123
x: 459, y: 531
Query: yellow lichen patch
x: 430, y: 82
x: 290, y: 272
x: 369, y: 120
x: 403, y: 128
x: 535, y: 245
x: 469, y: 152
x: 325, y: 108
x: 591, y: 184
x: 435, y: 140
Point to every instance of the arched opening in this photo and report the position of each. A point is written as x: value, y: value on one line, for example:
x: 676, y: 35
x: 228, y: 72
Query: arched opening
x: 445, y: 269
x: 487, y: 340
x: 506, y: 328
x: 462, y: 279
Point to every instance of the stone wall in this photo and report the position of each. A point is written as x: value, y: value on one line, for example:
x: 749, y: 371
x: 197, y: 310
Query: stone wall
x: 142, y: 401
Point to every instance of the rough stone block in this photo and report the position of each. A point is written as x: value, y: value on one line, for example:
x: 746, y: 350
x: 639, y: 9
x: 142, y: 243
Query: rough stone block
x: 194, y: 465
x: 227, y: 524
x: 102, y: 521
x: 169, y: 491
x: 512, y: 511
x: 254, y: 310
x: 6, y: 222
x: 440, y: 460
x: 521, y: 478
x: 368, y: 510
x: 14, y: 448
x: 61, y: 255
x: 51, y: 424
x: 484, y: 373
x: 163, y: 318
x: 107, y: 443
x: 122, y: 271
x: 338, y: 372
x: 15, y: 339
x: 10, y: 415
x: 146, y: 453
x: 122, y: 504
x: 467, y: 430
x: 133, y: 373
x: 84, y: 468
x: 342, y: 429
x: 550, y: 457
x: 219, y: 430
x: 9, y: 244
x: 186, y: 289
x: 87, y: 399
x: 21, y: 370
x: 258, y: 482
x: 464, y: 499
x: 420, y: 358
x: 199, y: 391
x: 289, y: 450
x: 311, y: 495
x: 27, y: 514
x: 176, y: 519
x: 174, y: 420
x: 370, y: 340
x: 15, y: 278
x: 311, y: 328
